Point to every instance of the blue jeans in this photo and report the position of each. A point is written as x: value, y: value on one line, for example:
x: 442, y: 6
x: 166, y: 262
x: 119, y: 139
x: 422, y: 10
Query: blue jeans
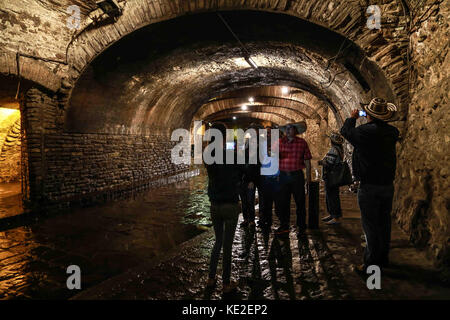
x: 375, y: 203
x: 224, y: 217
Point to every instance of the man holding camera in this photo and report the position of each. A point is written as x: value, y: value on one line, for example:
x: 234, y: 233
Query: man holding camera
x: 374, y: 145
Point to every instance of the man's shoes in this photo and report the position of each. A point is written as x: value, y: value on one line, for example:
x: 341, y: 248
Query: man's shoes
x: 361, y: 269
x: 211, y: 283
x: 264, y: 226
x: 333, y: 221
x: 244, y: 223
x: 230, y: 287
x: 301, y: 232
x: 327, y: 218
x: 282, y: 230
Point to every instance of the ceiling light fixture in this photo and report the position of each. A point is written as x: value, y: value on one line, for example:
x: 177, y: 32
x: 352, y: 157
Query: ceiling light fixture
x: 251, y: 99
x: 244, y: 107
x: 285, y: 90
x: 246, y: 52
x: 251, y: 62
x: 234, y: 118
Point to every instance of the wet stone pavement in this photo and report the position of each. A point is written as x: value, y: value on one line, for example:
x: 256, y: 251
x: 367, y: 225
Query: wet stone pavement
x: 105, y: 240
x: 154, y: 247
x: 318, y: 265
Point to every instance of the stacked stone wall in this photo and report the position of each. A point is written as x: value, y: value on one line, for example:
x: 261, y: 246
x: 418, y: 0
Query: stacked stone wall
x: 422, y: 199
x: 79, y: 167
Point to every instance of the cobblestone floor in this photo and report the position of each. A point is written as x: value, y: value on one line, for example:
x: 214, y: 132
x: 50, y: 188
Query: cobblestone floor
x: 153, y: 247
x: 319, y: 265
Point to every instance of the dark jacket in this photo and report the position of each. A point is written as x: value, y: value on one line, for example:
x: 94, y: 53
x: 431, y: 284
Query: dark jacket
x: 375, y: 155
x: 224, y: 181
x: 252, y: 172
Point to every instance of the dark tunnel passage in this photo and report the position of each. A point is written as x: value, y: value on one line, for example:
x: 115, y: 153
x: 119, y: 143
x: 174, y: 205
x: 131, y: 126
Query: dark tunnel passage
x: 87, y: 113
x: 194, y: 64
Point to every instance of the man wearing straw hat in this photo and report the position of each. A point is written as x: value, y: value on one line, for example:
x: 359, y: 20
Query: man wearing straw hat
x: 374, y: 143
x: 294, y: 157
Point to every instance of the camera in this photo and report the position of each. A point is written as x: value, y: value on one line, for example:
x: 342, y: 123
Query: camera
x: 230, y: 146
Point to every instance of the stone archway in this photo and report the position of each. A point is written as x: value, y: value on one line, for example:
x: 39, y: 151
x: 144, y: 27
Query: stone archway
x: 344, y: 18
x: 54, y: 59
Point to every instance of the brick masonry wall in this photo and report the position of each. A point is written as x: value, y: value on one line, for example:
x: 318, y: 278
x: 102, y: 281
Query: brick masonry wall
x: 67, y: 168
x: 78, y: 164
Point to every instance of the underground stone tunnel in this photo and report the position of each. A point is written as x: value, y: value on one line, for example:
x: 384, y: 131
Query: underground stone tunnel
x: 89, y: 99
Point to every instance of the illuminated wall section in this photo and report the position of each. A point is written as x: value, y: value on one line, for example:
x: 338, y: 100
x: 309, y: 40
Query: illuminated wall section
x: 9, y: 145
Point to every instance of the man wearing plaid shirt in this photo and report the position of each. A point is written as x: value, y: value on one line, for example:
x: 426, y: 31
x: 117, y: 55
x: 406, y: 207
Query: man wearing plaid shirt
x: 294, y: 157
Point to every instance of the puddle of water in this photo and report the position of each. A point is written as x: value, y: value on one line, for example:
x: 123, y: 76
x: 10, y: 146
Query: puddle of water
x: 104, y: 240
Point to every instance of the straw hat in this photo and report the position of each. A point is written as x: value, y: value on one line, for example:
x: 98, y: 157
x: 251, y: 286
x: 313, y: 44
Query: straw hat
x: 380, y: 109
x: 299, y: 126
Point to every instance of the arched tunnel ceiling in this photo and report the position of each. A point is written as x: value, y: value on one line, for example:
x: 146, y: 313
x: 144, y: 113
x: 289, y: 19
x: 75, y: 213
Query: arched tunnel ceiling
x: 157, y: 78
x: 293, y: 104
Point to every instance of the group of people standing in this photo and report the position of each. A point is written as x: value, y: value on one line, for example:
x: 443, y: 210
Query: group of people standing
x: 373, y: 164
x: 276, y: 189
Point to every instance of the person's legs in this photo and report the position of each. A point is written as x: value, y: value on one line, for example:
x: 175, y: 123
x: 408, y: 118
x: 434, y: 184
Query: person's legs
x: 258, y: 186
x: 385, y: 223
x: 327, y: 198
x: 276, y: 194
x: 243, y: 194
x: 284, y: 201
x: 266, y: 199
x: 333, y: 202
x: 218, y: 231
x: 298, y: 190
x: 230, y: 214
x: 251, y: 204
x: 370, y: 206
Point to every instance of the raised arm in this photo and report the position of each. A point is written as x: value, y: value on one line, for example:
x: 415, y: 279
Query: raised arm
x: 350, y: 132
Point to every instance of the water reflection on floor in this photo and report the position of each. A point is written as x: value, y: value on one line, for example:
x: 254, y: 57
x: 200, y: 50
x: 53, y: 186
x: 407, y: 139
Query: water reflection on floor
x: 128, y: 243
x: 103, y: 240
